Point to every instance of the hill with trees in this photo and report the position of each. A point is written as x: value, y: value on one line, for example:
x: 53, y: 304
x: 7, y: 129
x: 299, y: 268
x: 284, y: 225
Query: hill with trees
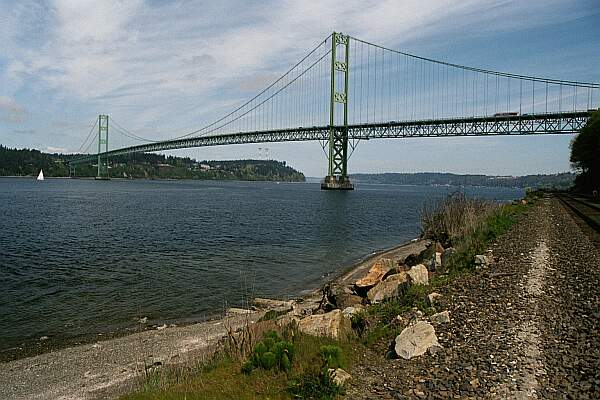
x: 26, y: 162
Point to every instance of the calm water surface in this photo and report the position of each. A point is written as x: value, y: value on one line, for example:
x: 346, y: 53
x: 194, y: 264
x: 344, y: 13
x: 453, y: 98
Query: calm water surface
x: 81, y: 257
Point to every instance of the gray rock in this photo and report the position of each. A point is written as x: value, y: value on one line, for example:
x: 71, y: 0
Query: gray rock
x: 419, y: 275
x: 433, y: 297
x: 480, y: 259
x: 415, y: 340
x: 441, y: 317
x: 339, y: 376
x: 273, y: 304
x: 348, y: 312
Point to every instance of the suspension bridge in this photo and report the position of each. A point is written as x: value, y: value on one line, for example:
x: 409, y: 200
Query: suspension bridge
x: 347, y: 90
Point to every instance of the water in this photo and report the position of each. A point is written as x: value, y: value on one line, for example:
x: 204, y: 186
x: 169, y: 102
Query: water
x: 80, y: 257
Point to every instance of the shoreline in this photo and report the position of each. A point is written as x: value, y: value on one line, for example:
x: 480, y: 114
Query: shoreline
x: 99, y: 369
x: 36, y: 347
x: 92, y: 178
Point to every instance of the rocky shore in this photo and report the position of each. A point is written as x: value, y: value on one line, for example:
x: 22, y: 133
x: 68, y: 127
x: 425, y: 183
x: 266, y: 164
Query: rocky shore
x: 111, y: 367
x: 523, y: 324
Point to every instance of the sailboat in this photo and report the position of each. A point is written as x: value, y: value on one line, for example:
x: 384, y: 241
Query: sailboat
x: 40, y: 176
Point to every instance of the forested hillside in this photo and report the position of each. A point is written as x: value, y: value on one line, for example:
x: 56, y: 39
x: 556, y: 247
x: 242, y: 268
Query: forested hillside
x: 562, y: 180
x: 26, y: 162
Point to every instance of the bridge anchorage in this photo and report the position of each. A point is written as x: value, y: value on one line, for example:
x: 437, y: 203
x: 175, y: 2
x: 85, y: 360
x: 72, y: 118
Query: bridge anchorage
x: 347, y: 90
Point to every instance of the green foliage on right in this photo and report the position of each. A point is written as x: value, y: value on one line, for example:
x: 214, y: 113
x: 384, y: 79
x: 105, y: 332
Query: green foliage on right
x: 585, y: 155
x: 272, y: 352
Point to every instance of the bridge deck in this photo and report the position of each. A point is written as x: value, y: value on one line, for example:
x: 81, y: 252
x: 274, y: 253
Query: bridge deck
x: 528, y: 124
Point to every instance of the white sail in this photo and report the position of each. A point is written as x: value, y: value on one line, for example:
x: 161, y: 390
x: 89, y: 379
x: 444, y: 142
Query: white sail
x: 40, y: 176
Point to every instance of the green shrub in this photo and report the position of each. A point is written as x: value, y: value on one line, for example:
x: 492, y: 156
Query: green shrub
x: 268, y: 360
x: 269, y: 353
x: 247, y: 367
x: 314, y: 386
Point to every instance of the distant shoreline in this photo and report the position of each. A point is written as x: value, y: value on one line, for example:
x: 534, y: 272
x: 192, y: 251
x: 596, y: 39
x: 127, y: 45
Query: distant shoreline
x: 91, y: 178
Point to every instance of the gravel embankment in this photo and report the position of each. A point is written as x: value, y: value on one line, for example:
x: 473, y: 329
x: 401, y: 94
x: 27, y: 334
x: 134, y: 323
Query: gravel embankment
x: 523, y: 327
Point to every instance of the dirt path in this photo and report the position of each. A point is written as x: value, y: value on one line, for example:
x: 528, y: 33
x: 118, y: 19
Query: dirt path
x: 524, y: 327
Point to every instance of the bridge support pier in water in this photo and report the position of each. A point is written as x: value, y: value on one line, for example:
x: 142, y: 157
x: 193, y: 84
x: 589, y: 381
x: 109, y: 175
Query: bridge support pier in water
x: 337, y: 177
x: 336, y: 183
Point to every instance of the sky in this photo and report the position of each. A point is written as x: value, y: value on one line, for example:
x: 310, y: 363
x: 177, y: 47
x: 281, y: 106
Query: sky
x: 161, y: 69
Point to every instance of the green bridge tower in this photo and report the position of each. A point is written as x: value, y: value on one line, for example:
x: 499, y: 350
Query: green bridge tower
x: 337, y: 177
x: 102, y: 147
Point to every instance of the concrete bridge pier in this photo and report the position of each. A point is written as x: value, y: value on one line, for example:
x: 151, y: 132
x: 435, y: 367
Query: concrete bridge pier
x: 332, y: 182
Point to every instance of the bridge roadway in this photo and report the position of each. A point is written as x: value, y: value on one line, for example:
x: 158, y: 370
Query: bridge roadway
x: 512, y: 125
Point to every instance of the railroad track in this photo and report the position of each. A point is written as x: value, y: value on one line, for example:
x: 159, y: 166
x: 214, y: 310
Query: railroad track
x: 586, y: 208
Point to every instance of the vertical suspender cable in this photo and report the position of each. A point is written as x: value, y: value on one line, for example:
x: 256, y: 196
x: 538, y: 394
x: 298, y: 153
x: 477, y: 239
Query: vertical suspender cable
x: 375, y: 91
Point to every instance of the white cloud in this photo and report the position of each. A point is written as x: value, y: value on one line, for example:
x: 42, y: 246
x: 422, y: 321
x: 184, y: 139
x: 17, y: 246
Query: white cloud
x: 11, y: 111
x: 51, y: 149
x: 115, y: 54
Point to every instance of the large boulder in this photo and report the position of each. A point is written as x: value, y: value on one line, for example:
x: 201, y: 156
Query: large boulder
x: 415, y: 340
x: 332, y: 324
x: 375, y: 275
x: 391, y: 288
x: 419, y: 275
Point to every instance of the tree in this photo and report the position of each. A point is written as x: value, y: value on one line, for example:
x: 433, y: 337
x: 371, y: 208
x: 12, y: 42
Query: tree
x: 585, y: 155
